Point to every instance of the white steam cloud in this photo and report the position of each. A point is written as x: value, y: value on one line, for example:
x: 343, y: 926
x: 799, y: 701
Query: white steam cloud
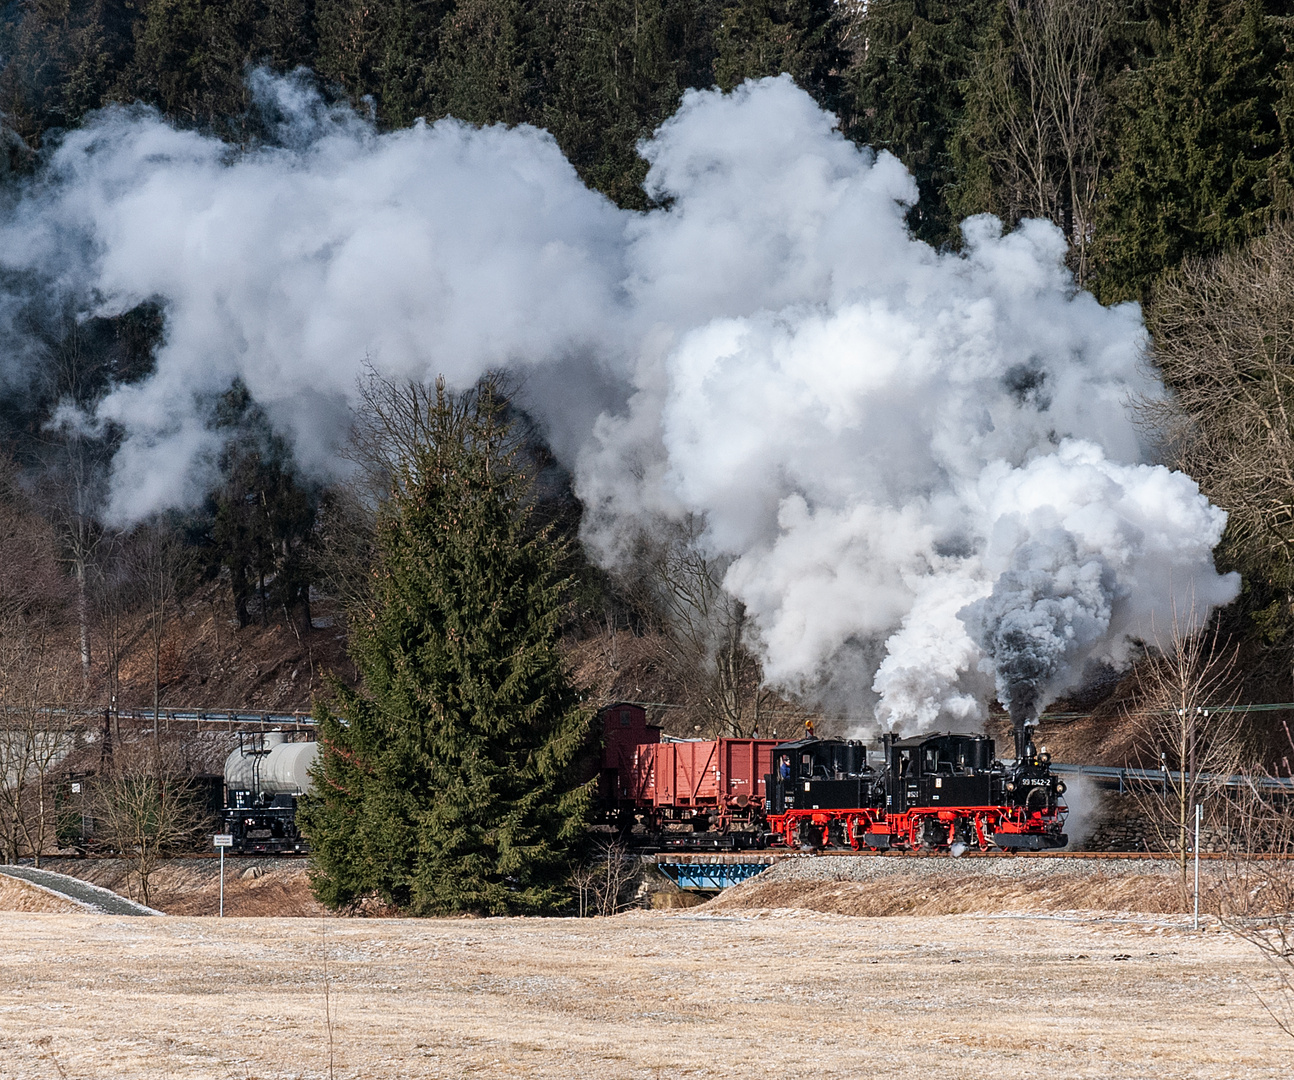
x: 920, y: 467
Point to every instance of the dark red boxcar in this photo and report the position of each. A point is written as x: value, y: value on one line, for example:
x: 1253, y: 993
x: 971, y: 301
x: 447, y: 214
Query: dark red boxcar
x: 720, y: 777
x: 624, y: 729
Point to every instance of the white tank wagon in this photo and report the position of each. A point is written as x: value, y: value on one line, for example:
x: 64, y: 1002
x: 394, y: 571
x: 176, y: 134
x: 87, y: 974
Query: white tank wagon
x: 264, y: 778
x: 283, y: 770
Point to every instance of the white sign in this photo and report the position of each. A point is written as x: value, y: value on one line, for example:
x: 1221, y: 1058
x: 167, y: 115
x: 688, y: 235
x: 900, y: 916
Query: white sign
x: 76, y: 789
x: 224, y: 839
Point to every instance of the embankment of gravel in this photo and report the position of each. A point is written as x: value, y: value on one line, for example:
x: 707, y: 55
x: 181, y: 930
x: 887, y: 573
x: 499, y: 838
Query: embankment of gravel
x: 895, y: 885
x: 19, y: 895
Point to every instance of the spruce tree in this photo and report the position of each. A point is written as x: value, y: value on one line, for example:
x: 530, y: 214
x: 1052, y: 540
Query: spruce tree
x: 612, y: 73
x: 1203, y: 159
x: 768, y: 37
x: 447, y: 783
x: 907, y: 90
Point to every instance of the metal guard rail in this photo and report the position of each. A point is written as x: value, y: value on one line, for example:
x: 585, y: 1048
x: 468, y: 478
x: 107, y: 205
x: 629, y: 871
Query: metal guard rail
x: 215, y: 717
x: 1111, y: 775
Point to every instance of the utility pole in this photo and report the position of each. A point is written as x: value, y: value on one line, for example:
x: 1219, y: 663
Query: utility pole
x: 1199, y: 812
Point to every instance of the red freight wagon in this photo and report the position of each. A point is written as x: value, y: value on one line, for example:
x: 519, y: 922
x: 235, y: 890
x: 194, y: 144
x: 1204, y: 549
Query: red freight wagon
x: 712, y: 781
x: 699, y: 781
x: 624, y: 730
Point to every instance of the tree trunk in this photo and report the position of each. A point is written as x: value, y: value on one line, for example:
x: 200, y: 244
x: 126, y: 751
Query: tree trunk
x: 39, y: 846
x: 157, y: 671
x: 83, y: 619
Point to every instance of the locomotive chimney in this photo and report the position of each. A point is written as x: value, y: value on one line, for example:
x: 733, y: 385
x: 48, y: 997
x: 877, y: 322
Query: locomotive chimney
x: 1021, y: 721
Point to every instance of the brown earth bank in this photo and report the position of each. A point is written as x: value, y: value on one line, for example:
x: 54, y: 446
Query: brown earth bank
x: 867, y: 885
x: 645, y: 995
x: 208, y: 662
x: 923, y: 894
x: 18, y: 895
x: 889, y: 885
x: 253, y: 886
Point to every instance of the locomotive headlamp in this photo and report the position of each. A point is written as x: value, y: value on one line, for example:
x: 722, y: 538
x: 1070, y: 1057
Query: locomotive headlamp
x: 1060, y: 787
x: 1045, y: 758
x: 1010, y: 786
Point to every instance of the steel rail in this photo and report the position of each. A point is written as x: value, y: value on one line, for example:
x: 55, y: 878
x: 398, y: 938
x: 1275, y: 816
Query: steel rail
x: 753, y: 855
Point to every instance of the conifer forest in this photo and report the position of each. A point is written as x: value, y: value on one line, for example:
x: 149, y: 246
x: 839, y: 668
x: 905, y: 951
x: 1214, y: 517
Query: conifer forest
x: 889, y: 364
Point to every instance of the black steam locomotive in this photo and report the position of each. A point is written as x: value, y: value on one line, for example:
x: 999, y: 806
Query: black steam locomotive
x: 941, y: 792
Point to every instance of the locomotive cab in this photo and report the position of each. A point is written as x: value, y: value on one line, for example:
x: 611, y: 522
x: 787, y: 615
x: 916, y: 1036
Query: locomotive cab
x: 820, y: 774
x: 939, y: 770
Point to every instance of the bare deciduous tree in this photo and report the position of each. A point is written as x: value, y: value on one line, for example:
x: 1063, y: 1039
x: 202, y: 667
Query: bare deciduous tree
x: 600, y: 883
x: 1183, y: 722
x: 75, y: 458
x: 114, y: 595
x: 1038, y: 113
x: 391, y: 423
x: 347, y: 548
x: 703, y: 628
x: 389, y: 428
x: 146, y: 808
x: 34, y: 738
x: 40, y: 724
x: 157, y: 561
x: 1224, y: 337
x: 1255, y: 896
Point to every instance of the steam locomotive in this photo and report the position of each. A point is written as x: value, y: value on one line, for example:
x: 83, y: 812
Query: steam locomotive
x: 942, y: 792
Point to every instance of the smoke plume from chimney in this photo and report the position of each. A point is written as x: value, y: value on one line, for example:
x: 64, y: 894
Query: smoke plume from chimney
x: 918, y: 466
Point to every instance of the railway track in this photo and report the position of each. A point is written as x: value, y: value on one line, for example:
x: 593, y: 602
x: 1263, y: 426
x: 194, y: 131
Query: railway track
x: 757, y: 854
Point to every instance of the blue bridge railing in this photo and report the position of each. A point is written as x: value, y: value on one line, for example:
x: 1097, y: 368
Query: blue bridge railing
x: 710, y: 877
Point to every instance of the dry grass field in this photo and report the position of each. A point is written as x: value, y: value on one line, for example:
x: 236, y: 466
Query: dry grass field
x: 759, y: 992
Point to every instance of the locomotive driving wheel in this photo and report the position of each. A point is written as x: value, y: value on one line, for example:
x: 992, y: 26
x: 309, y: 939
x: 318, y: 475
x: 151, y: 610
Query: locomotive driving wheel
x: 810, y: 835
x: 934, y: 833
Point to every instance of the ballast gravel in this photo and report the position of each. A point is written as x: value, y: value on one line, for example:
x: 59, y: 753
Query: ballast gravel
x: 876, y: 867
